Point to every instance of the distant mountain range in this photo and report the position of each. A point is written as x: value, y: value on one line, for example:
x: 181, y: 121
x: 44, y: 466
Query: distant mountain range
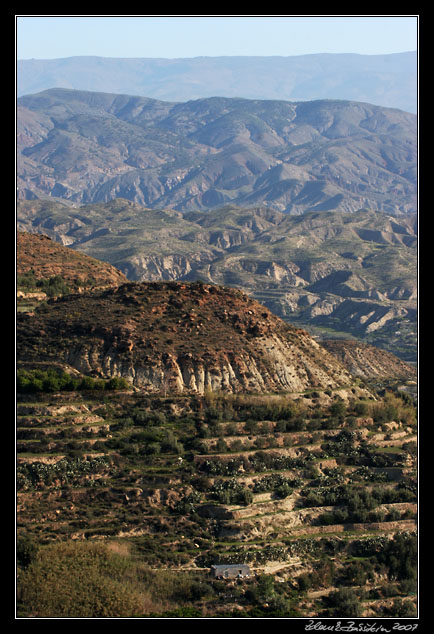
x: 87, y: 147
x: 384, y: 80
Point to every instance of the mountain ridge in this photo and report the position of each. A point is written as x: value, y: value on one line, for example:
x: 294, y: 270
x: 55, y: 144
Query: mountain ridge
x: 291, y: 156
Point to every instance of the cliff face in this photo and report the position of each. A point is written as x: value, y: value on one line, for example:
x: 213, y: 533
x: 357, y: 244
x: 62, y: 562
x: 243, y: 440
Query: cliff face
x: 275, y: 365
x: 165, y: 267
x: 177, y: 337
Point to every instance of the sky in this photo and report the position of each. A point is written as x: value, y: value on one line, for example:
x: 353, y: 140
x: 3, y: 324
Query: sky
x: 51, y: 37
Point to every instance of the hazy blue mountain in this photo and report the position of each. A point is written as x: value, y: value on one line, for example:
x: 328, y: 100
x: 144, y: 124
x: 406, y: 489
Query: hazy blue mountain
x: 384, y: 80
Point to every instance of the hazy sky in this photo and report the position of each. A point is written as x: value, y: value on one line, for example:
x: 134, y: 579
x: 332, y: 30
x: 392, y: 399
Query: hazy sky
x: 50, y: 37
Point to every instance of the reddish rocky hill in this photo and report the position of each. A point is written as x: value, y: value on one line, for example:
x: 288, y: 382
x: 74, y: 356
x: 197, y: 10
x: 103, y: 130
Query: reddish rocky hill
x: 178, y: 337
x: 44, y: 258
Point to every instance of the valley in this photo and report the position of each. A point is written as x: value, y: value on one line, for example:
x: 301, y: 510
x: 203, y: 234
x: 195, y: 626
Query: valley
x: 166, y: 427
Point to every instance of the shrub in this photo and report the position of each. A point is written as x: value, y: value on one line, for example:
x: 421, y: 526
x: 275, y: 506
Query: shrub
x: 344, y: 602
x: 283, y: 491
x: 251, y: 426
x: 400, y: 609
x: 52, y: 286
x: 357, y: 573
x: 338, y: 409
x: 26, y: 551
x: 116, y: 383
x: 400, y: 556
x: 153, y: 449
x: 393, y: 408
x: 213, y: 415
x: 304, y: 582
x: 361, y: 408
x: 245, y: 497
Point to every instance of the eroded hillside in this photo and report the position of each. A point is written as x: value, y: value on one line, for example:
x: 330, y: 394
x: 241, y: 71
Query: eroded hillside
x: 368, y: 362
x: 333, y: 272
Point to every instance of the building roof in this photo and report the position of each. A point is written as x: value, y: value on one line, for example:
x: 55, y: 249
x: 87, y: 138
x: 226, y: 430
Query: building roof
x: 228, y: 566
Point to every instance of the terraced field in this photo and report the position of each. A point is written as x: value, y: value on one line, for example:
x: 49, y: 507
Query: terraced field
x: 311, y: 490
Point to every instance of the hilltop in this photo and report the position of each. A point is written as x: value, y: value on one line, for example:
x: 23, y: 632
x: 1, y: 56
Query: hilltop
x: 42, y: 258
x: 177, y: 337
x: 42, y: 262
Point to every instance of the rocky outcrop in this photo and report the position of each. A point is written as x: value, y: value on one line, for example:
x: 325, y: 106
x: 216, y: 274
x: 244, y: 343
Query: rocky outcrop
x: 165, y: 267
x: 276, y: 365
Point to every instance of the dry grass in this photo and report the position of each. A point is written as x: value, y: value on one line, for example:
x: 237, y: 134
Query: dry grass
x: 119, y: 548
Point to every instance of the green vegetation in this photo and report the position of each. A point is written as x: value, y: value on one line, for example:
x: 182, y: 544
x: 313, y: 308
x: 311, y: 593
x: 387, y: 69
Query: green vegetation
x: 91, y: 580
x: 116, y: 495
x: 52, y: 287
x: 52, y: 380
x: 94, y: 581
x: 64, y: 472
